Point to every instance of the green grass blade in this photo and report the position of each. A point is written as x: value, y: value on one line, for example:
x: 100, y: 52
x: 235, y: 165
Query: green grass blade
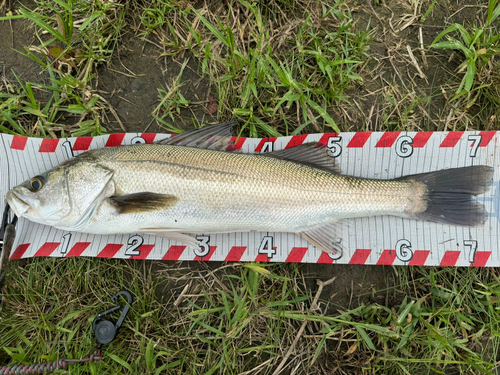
x: 323, y: 114
x: 117, y: 359
x: 33, y: 17
x: 8, y: 18
x: 3, y: 129
x: 301, y: 127
x: 469, y: 76
x: 492, y: 13
x: 212, y: 28
x: 429, y: 10
x: 266, y: 128
x: 452, y: 44
x: 366, y: 338
x: 64, y: 4
x: 15, y: 125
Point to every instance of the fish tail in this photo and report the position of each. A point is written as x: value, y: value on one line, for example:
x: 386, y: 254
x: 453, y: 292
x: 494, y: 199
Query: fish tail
x: 448, y: 195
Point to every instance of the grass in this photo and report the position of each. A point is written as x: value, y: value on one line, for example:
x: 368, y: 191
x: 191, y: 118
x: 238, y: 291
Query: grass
x: 307, y: 78
x: 68, y: 50
x: 248, y: 318
x: 481, y: 48
x: 265, y: 85
x: 22, y: 113
x: 279, y: 68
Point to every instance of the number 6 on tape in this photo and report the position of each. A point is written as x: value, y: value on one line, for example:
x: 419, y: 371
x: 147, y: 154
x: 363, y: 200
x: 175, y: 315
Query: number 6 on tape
x: 404, y: 251
x: 404, y: 146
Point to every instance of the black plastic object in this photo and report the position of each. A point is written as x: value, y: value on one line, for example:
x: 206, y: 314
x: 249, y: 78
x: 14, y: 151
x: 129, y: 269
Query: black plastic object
x: 5, y: 221
x: 7, y: 237
x: 105, y: 331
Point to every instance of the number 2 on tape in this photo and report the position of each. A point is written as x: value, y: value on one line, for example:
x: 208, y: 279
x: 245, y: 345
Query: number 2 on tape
x: 134, y: 243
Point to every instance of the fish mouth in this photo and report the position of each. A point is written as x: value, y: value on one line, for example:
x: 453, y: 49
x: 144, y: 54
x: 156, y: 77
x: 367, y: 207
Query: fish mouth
x: 18, y: 203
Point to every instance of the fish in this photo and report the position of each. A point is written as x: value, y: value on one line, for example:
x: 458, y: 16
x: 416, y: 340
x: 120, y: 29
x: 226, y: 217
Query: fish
x: 199, y: 183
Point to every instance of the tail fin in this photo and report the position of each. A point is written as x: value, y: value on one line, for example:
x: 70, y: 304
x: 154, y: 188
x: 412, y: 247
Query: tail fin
x: 450, y: 195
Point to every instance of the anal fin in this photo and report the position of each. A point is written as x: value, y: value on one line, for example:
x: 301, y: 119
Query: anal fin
x: 327, y: 238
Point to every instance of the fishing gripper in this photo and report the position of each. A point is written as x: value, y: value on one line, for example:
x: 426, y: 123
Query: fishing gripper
x: 105, y: 331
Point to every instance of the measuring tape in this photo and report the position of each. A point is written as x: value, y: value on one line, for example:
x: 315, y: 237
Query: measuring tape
x: 380, y: 240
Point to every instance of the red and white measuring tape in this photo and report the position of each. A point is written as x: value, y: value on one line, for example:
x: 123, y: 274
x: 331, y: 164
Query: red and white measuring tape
x: 376, y: 240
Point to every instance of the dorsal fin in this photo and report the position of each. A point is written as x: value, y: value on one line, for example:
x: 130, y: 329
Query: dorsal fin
x: 312, y: 153
x: 213, y: 137
x: 219, y: 137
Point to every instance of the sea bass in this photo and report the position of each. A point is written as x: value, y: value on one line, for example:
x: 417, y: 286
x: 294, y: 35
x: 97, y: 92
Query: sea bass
x: 197, y: 183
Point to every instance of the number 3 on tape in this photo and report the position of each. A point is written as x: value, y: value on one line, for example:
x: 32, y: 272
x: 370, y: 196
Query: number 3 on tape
x: 204, y: 249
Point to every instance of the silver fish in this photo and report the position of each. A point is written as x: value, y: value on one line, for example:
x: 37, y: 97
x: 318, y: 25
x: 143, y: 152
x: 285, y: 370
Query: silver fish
x: 196, y: 183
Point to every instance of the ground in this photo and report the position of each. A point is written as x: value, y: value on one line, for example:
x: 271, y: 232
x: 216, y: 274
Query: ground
x: 402, y: 85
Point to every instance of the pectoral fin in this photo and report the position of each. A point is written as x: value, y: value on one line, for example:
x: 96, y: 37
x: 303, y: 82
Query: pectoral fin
x: 143, y: 202
x: 327, y: 238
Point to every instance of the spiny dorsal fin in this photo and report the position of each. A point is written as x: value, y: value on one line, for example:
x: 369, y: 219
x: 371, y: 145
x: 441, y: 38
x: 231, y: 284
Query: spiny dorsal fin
x: 142, y: 202
x: 212, y: 137
x: 310, y: 154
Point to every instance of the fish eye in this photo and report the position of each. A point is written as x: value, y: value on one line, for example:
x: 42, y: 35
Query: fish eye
x: 36, y: 183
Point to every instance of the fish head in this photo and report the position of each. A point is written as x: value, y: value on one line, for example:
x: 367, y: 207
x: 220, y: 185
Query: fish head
x: 43, y: 198
x: 65, y: 197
